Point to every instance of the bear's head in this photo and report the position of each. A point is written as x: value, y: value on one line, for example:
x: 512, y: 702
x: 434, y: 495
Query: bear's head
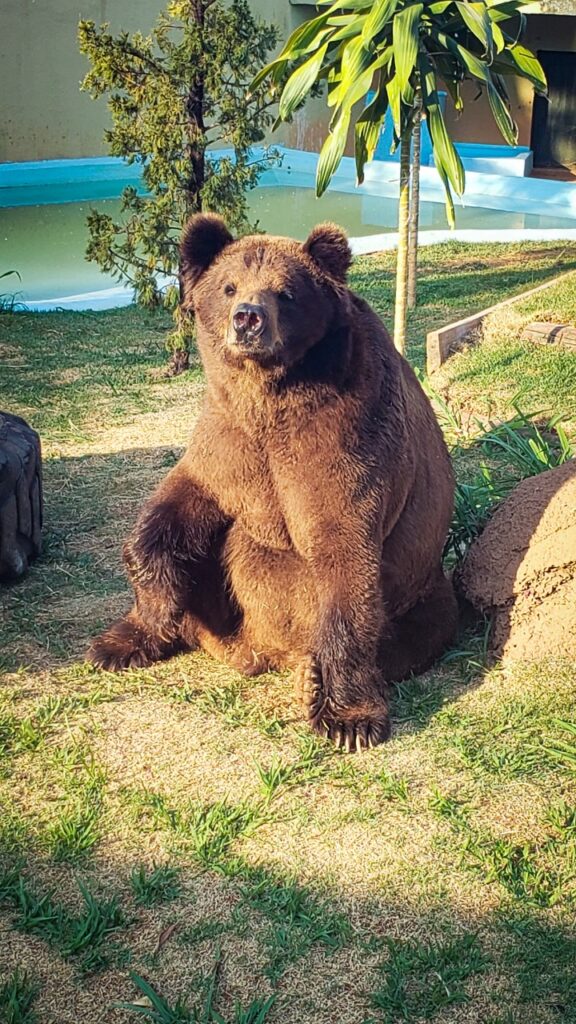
x: 261, y: 299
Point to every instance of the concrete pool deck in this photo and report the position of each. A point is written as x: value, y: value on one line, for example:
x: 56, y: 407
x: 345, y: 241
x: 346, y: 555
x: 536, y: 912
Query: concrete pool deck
x: 66, y: 181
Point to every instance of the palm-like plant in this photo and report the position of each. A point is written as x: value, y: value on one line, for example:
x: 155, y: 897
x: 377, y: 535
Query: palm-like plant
x: 404, y: 50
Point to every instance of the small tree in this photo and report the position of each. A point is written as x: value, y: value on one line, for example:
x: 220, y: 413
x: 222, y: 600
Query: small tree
x: 172, y: 95
x: 406, y: 50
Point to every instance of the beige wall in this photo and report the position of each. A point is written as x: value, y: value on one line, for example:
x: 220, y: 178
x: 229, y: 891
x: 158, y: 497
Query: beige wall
x: 476, y: 124
x: 43, y: 114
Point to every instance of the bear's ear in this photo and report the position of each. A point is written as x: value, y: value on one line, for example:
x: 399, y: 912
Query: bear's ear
x: 328, y: 246
x: 205, y: 235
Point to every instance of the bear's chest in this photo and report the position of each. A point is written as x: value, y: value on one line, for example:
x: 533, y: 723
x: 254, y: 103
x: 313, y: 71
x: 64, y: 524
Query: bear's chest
x: 247, y: 495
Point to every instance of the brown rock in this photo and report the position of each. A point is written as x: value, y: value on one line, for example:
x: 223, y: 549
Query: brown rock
x: 522, y: 569
x: 20, y: 496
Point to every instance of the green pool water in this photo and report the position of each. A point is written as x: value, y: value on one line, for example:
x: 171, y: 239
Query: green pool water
x: 46, y: 244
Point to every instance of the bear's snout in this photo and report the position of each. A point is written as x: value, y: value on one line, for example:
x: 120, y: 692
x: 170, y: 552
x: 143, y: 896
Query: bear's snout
x: 249, y: 321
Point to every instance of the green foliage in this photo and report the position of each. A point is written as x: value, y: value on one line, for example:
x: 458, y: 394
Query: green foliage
x: 524, y: 449
x: 533, y: 872
x: 73, y: 833
x: 17, y: 996
x: 312, y: 762
x: 406, y: 51
x: 543, y: 955
x: 421, y: 979
x: 155, y: 1008
x: 563, y: 751
x: 207, y: 832
x: 83, y: 938
x: 8, y: 301
x: 229, y: 703
x: 172, y: 94
x: 159, y: 885
x: 298, y: 920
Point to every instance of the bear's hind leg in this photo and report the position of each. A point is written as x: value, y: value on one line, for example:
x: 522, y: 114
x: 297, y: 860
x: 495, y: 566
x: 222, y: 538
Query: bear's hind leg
x: 234, y: 651
x: 422, y: 634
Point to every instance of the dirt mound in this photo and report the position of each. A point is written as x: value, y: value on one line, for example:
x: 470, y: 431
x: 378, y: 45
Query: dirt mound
x: 522, y: 569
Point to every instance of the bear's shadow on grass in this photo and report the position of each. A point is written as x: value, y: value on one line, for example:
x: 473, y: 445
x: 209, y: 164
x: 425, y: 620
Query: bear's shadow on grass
x: 92, y: 502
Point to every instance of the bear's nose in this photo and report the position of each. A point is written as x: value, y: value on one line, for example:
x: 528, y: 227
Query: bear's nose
x: 249, y: 319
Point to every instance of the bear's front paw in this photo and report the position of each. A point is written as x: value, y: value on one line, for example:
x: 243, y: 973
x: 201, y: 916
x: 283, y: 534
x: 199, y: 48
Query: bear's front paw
x: 353, y: 728
x: 125, y: 645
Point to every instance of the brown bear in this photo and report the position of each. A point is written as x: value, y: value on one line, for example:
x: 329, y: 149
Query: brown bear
x: 303, y: 528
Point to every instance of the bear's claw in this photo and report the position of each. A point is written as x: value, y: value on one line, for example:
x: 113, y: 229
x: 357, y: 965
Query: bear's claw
x: 309, y: 688
x: 348, y: 728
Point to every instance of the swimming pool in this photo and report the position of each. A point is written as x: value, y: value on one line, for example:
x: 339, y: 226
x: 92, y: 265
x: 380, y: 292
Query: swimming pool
x: 43, y: 209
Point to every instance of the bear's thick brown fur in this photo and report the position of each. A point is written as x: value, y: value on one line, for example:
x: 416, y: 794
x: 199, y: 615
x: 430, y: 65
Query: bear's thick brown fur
x: 304, y: 525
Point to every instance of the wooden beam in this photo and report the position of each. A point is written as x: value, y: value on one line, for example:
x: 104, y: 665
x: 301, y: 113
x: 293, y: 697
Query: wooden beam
x: 439, y: 343
x: 551, y: 334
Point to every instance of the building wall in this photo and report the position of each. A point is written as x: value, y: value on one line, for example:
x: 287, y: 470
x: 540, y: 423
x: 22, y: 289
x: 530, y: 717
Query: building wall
x: 43, y: 114
x: 476, y: 124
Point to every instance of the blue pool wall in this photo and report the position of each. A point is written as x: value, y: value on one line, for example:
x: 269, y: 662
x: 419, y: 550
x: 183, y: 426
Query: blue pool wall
x: 58, y: 181
x: 514, y: 161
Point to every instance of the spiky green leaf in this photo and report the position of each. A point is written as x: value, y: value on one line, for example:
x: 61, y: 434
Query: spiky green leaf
x: 446, y: 158
x: 473, y: 64
x: 475, y: 17
x: 405, y: 39
x: 300, y: 83
x: 440, y: 7
x: 380, y: 15
x: 529, y: 65
x: 393, y: 91
x: 350, y: 5
x: 355, y: 61
x: 502, y: 115
x: 304, y: 39
x: 367, y: 131
x: 331, y: 153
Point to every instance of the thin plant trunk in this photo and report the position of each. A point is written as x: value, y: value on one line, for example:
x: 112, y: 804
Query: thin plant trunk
x: 414, y: 206
x: 400, y: 307
x: 179, y: 341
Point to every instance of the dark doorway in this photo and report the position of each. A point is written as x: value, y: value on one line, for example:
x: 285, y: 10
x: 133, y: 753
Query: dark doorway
x: 554, y: 119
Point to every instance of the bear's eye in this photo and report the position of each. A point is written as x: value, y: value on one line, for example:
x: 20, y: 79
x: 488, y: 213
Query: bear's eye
x: 230, y: 289
x: 286, y: 296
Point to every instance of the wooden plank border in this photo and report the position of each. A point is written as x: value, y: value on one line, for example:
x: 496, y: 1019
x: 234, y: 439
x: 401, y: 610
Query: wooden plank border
x: 440, y: 342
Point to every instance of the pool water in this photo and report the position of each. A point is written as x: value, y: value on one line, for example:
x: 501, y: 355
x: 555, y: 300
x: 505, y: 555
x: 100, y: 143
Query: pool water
x: 46, y: 244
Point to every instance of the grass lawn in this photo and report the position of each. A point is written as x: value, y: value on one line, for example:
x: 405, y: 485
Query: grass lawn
x: 174, y: 845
